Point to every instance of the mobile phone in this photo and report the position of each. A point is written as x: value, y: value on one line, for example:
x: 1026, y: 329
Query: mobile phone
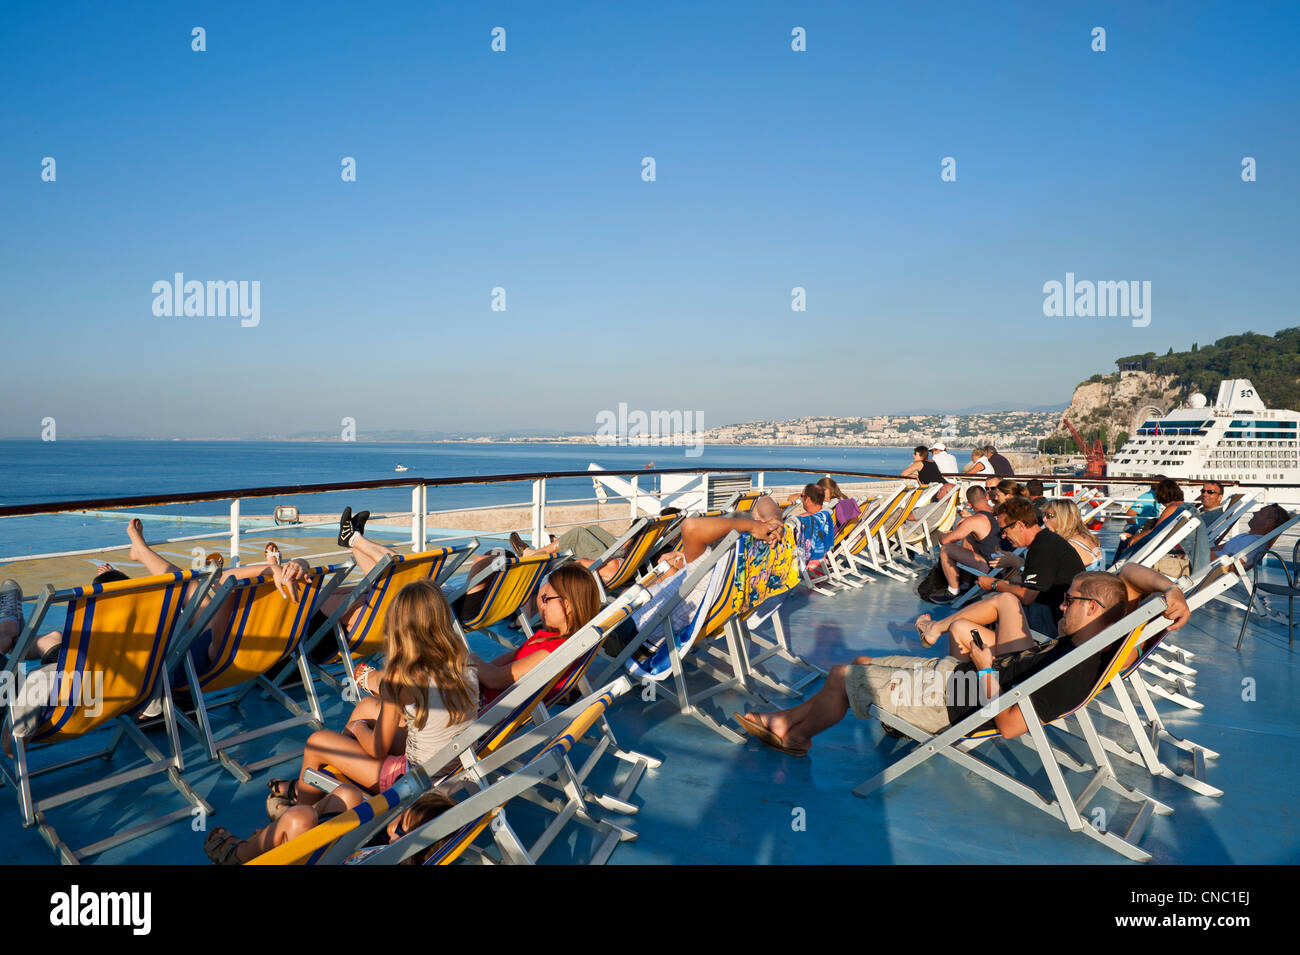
x: 975, y: 639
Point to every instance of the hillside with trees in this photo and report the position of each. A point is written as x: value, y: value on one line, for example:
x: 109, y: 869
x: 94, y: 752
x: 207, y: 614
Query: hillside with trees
x: 1104, y: 406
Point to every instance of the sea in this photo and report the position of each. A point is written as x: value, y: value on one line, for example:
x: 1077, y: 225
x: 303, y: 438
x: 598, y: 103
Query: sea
x: 51, y: 471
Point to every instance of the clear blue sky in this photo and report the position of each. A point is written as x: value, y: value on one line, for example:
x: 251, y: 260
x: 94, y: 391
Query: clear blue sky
x: 523, y: 170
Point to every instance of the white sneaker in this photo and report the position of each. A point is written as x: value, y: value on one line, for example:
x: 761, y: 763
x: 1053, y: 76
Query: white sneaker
x: 11, y: 602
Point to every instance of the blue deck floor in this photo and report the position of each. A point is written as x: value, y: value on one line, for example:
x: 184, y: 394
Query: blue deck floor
x: 713, y: 801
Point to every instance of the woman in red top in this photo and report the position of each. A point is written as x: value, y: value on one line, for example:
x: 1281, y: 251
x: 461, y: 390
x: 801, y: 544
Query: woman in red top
x: 567, y: 600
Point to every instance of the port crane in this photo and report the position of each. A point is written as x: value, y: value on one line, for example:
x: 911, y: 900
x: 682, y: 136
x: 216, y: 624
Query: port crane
x: 1094, y: 457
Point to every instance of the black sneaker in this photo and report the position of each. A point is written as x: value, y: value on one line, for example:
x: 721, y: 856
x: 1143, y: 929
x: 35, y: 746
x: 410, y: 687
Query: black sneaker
x: 359, y: 521
x: 943, y: 597
x: 346, y: 530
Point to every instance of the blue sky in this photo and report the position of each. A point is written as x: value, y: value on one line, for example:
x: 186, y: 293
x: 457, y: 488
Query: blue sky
x: 522, y: 169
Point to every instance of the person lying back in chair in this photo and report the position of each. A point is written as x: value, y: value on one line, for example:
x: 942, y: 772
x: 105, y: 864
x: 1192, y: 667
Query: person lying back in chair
x: 1261, y: 522
x: 933, y: 693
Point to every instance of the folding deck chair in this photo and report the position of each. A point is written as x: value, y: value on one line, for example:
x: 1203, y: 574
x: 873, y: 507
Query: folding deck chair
x: 110, y: 668
x: 339, y: 840
x: 633, y: 549
x: 376, y: 590
x: 958, y: 742
x: 866, y: 549
x: 931, y: 520
x: 264, y: 630
x: 731, y: 596
x: 816, y: 535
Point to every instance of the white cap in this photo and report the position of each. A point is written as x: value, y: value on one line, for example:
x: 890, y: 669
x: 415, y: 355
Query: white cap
x: 938, y: 446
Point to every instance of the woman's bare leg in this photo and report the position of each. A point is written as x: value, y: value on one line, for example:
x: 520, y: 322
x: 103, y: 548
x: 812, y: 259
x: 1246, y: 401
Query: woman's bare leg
x: 1012, y: 629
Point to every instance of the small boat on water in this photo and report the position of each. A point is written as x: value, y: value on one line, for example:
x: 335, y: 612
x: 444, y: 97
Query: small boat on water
x: 400, y: 468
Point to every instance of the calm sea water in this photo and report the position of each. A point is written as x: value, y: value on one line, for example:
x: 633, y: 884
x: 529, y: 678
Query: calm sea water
x: 38, y: 472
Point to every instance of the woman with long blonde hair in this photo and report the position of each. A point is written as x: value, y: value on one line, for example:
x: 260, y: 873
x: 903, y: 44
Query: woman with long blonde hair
x: 426, y: 693
x: 1062, y: 516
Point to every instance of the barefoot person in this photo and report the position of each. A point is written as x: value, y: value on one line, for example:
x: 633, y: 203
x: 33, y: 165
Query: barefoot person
x: 1094, y: 601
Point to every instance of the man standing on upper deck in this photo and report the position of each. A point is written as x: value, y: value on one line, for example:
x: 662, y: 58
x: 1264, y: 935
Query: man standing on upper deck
x: 1001, y: 466
x: 944, y: 461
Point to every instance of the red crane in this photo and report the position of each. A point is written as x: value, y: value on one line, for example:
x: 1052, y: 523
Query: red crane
x: 1094, y: 457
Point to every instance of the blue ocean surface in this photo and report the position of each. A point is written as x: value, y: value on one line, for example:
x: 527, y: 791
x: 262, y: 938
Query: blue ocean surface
x: 40, y: 472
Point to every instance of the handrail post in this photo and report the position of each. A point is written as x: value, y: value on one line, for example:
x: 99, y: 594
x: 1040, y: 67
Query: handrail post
x: 418, y: 502
x: 539, y: 512
x: 636, y: 496
x: 234, y: 533
x: 762, y: 478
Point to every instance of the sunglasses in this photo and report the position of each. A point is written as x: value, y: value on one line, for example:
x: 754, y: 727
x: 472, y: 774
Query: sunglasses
x: 1051, y: 515
x: 1071, y: 598
x: 545, y: 600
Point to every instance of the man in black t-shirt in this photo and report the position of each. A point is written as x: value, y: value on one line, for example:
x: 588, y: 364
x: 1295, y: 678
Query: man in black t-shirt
x: 933, y: 693
x: 1001, y: 466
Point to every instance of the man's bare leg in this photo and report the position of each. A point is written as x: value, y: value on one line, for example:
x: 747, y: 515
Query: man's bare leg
x: 797, y: 726
x: 952, y: 554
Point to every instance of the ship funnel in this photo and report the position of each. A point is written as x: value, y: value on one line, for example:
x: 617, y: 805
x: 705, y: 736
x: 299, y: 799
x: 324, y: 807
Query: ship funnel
x: 1238, y: 394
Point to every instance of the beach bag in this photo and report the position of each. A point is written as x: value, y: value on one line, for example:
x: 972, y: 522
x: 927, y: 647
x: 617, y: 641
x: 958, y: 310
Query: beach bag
x: 935, y: 583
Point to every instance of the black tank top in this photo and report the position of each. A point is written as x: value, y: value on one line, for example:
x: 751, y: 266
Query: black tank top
x: 986, y: 545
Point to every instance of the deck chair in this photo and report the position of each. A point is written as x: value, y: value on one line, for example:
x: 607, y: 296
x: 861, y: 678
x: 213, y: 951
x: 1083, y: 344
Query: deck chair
x: 376, y: 591
x: 893, y: 547
x: 633, y: 549
x: 863, y: 552
x: 743, y: 500
x: 832, y: 570
x: 513, y: 585
x: 935, y: 518
x: 339, y: 840
x: 1148, y: 732
x: 958, y: 743
x: 727, y: 602
x: 1166, y: 535
x: 264, y: 631
x: 111, y: 666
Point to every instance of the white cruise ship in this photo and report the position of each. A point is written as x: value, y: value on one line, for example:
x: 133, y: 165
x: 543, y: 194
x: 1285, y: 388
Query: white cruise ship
x: 1235, y: 439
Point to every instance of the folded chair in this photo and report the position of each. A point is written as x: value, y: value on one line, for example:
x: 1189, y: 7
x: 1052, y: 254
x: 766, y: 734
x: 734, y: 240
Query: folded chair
x: 263, y: 631
x: 111, y: 667
x: 376, y: 590
x: 958, y: 742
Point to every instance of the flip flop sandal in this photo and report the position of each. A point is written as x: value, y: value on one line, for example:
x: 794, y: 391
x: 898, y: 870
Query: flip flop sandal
x: 215, y: 558
x: 921, y: 633
x: 222, y: 847
x: 270, y: 549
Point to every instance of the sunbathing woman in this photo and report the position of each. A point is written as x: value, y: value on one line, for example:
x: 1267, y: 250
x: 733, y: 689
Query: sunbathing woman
x: 226, y: 849
x: 427, y: 693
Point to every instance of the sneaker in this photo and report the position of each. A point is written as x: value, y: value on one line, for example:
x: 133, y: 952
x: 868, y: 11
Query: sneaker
x: 359, y: 521
x: 11, y: 602
x: 346, y: 530
x: 943, y: 597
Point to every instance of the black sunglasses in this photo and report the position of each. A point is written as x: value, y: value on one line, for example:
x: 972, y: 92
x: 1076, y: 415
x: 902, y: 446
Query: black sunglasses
x: 1071, y: 598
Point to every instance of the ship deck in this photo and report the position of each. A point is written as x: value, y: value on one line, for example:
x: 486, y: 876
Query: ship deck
x: 712, y: 801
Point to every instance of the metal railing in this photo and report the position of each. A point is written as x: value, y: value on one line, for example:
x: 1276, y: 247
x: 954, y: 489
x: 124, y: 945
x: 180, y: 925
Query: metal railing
x: 419, y: 513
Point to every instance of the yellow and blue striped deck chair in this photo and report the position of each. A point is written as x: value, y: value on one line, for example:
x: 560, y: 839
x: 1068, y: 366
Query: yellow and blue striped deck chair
x: 743, y: 501
x: 513, y: 585
x: 376, y: 591
x: 632, y: 550
x: 866, y: 548
x: 1120, y: 644
x: 111, y: 666
x: 730, y: 596
x: 342, y: 839
x: 264, y: 630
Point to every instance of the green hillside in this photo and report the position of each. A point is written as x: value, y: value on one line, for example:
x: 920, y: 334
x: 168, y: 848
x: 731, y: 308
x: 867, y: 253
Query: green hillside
x: 1272, y: 362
